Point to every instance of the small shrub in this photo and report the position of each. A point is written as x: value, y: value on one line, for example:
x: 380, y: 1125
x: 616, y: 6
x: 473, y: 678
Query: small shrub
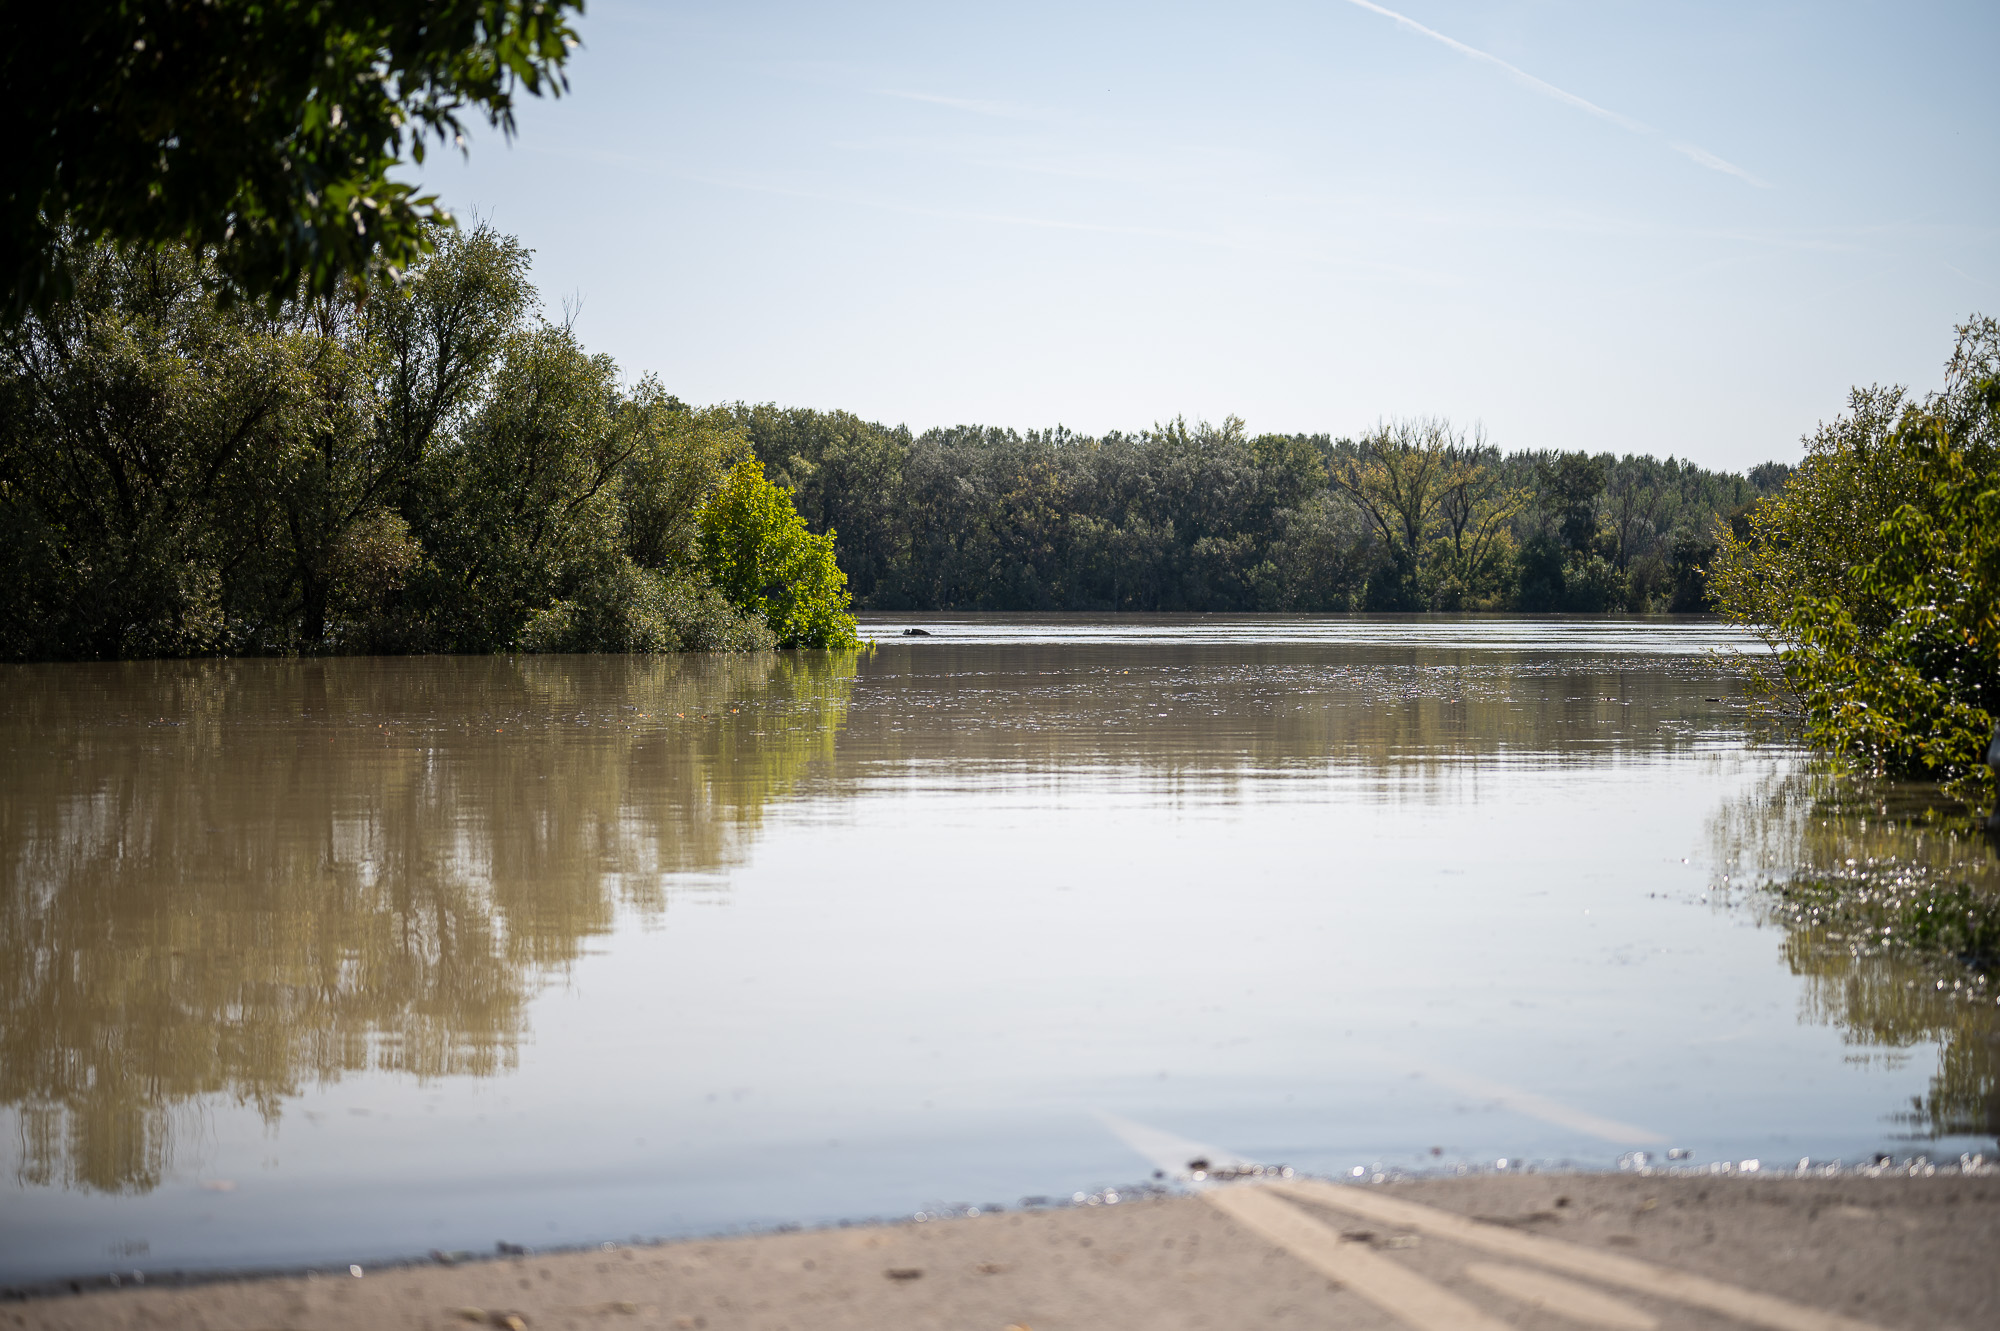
x: 756, y: 548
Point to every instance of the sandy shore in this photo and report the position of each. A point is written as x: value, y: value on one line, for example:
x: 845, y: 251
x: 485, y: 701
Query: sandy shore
x: 1621, y: 1251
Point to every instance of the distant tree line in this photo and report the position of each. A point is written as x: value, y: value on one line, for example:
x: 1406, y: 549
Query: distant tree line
x: 1414, y: 515
x: 427, y: 463
x: 414, y: 465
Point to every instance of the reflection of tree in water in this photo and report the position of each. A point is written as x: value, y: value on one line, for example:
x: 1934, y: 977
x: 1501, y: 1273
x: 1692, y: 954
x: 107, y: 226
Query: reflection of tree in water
x: 1890, y: 900
x: 1222, y: 715
x: 236, y: 878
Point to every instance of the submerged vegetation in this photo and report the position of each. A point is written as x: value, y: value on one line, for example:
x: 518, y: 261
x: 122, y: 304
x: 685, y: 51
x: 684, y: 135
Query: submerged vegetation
x: 1876, y: 574
x: 421, y: 466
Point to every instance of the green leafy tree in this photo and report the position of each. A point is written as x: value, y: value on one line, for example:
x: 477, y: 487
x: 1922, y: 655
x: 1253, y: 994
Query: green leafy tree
x: 1398, y: 475
x: 679, y: 458
x: 1474, y: 553
x: 131, y: 422
x: 760, y: 554
x: 1813, y: 539
x: 429, y: 346
x: 1439, y: 506
x: 1562, y: 564
x: 518, y: 510
x: 651, y: 593
x: 1320, y: 560
x: 845, y: 474
x: 265, y: 129
x: 1876, y: 574
x: 1571, y: 484
x: 415, y: 467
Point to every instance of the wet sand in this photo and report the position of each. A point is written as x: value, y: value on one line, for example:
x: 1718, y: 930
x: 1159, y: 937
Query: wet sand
x: 1554, y: 1250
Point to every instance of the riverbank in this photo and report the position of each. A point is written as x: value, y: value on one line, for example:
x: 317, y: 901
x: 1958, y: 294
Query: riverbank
x: 1612, y: 1250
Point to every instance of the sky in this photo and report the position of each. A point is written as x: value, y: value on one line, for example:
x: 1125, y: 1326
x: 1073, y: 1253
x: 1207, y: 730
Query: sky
x: 1668, y: 228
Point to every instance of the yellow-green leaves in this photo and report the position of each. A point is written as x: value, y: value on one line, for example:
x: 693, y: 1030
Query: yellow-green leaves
x: 756, y: 547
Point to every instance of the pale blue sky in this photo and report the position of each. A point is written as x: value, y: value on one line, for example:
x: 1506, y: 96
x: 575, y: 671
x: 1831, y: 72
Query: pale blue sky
x: 1668, y: 228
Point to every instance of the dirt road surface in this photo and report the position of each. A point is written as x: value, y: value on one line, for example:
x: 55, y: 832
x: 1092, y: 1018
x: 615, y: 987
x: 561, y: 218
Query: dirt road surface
x: 1617, y: 1251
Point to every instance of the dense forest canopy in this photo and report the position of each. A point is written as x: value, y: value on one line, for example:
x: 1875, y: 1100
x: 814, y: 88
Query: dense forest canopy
x: 1415, y: 515
x: 418, y: 466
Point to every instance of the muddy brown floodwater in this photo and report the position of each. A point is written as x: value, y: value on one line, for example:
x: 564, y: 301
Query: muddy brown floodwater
x: 334, y: 961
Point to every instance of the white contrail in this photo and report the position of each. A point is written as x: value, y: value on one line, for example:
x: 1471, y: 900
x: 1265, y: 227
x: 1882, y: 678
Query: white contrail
x: 1714, y: 163
x: 1547, y: 89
